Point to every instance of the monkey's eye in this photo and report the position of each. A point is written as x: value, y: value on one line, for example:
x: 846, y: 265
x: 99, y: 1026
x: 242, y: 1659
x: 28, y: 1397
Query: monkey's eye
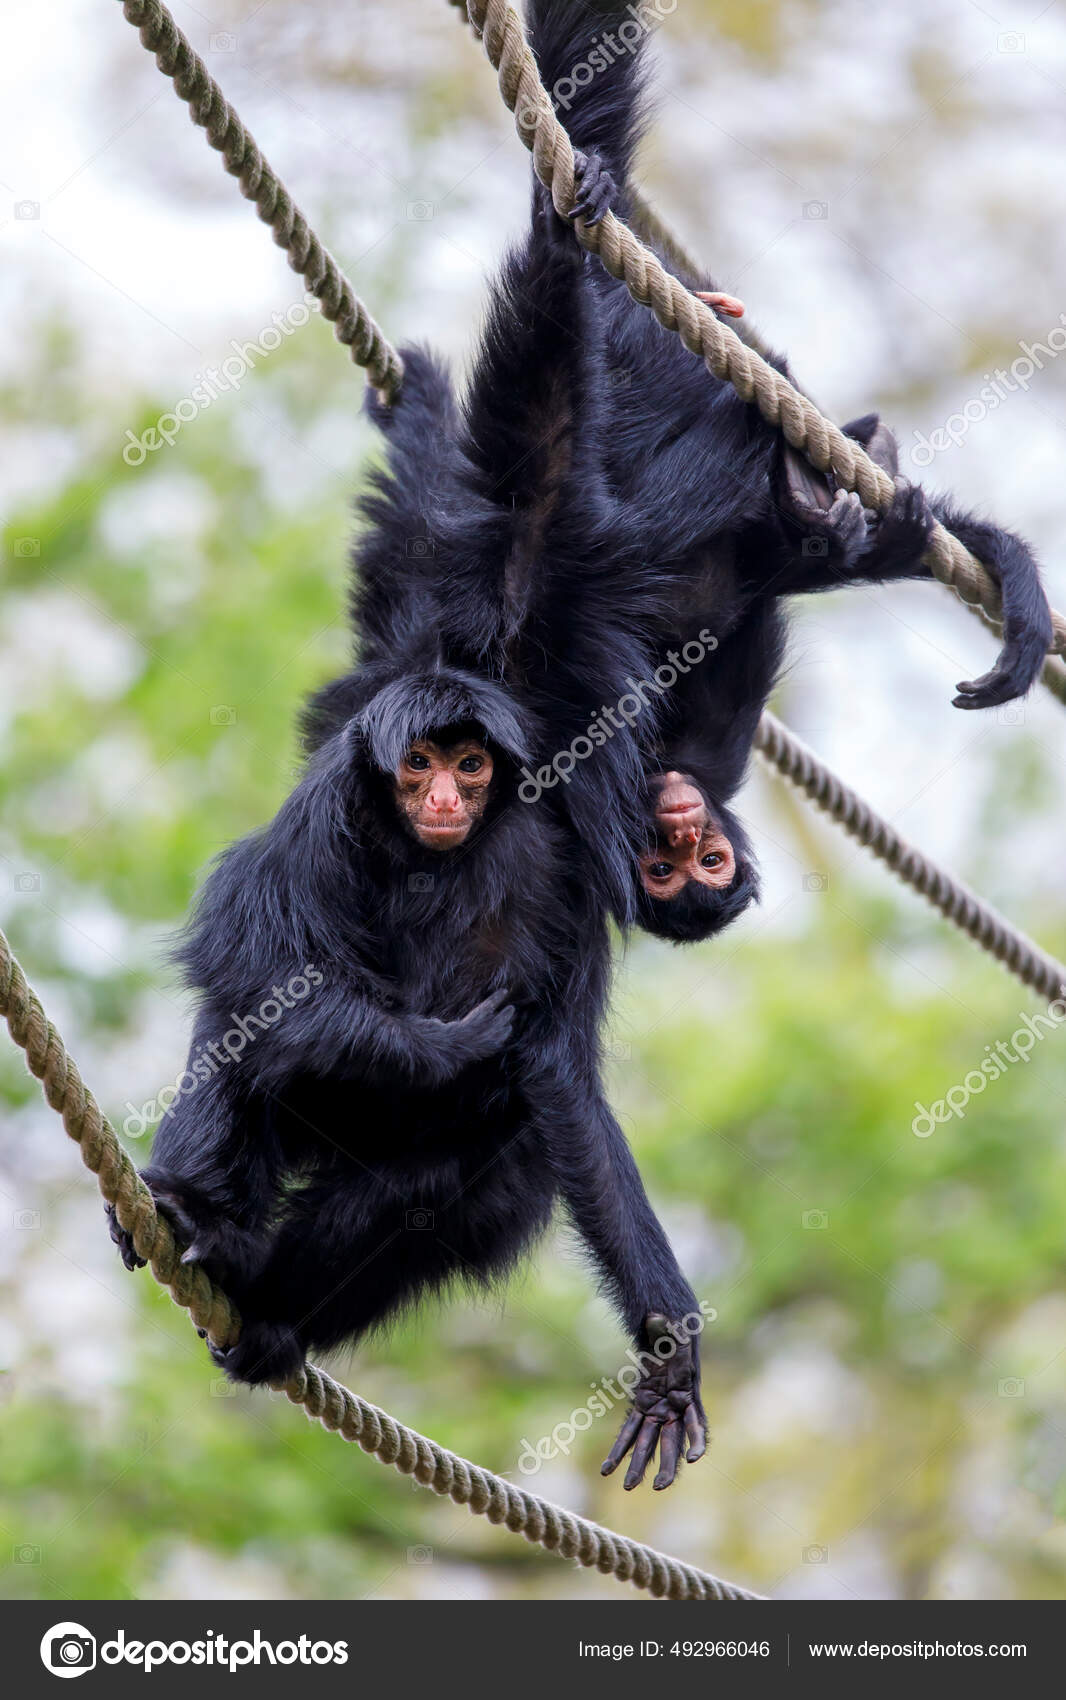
x: 471, y: 764
x: 415, y: 759
x: 660, y: 870
x: 713, y: 860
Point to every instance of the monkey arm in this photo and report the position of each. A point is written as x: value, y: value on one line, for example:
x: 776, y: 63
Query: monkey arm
x: 604, y: 1195
x: 216, y: 1158
x: 1027, y: 627
x: 533, y: 428
x: 396, y: 559
x: 340, y: 1033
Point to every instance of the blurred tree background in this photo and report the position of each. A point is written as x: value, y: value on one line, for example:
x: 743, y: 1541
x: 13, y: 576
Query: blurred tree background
x: 886, y: 1373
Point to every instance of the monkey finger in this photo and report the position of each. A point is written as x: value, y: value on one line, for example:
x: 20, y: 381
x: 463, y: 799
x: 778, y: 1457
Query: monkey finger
x: 642, y: 1452
x: 669, y: 1454
x: 490, y: 1005
x: 728, y: 304
x: 627, y: 1434
x: 989, y: 691
x: 695, y: 1433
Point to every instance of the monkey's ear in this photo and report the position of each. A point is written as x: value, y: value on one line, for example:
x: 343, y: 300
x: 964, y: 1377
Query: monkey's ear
x: 878, y: 441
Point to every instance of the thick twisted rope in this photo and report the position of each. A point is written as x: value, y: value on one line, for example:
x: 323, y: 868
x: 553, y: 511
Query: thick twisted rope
x: 208, y: 107
x: 323, y: 1399
x: 1032, y: 966
x: 677, y: 309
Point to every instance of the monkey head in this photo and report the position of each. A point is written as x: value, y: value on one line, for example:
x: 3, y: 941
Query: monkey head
x: 689, y: 842
x: 697, y: 873
x: 442, y: 787
x: 445, y: 745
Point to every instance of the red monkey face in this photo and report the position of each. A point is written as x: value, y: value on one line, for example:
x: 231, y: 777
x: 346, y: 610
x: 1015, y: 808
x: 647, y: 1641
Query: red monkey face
x: 690, y: 845
x: 442, y: 789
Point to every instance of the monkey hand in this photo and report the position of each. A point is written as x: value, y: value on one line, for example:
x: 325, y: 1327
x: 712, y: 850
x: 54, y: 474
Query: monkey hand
x: 839, y: 533
x: 901, y: 536
x: 666, y: 1410
x: 1005, y: 682
x: 481, y: 1033
x: 594, y: 188
x: 1026, y: 640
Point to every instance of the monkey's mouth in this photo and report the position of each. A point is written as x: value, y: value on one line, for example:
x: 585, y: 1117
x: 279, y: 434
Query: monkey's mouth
x: 677, y: 797
x: 679, y: 804
x: 441, y: 835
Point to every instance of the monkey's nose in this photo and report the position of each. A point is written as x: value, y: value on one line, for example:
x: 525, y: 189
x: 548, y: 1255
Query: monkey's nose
x: 682, y: 835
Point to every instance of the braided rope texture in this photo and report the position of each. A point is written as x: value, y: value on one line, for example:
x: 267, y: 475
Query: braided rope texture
x: 208, y: 107
x: 323, y: 1399
x: 1032, y: 966
x: 500, y: 30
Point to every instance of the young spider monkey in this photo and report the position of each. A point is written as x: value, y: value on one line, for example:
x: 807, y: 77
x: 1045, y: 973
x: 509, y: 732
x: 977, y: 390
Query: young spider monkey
x: 737, y: 521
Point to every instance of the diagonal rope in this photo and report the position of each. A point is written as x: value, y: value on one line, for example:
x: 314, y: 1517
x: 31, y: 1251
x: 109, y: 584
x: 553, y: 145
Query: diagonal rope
x: 323, y: 1399
x: 780, y: 749
x: 500, y: 30
x: 208, y: 107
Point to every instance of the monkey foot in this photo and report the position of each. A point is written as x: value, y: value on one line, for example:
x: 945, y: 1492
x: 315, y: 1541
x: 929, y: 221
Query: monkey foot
x: 123, y: 1239
x: 266, y: 1351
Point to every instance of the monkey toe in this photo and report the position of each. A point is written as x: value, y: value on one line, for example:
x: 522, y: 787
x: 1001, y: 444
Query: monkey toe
x: 123, y: 1240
